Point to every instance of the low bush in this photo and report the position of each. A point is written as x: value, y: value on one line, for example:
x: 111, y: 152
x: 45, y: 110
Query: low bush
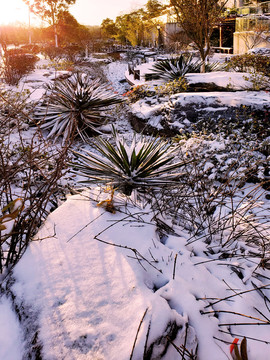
x: 68, y: 52
x: 172, y: 87
x: 52, y: 52
x: 16, y: 64
x: 250, y: 63
x: 139, y: 92
x: 15, y: 105
x: 72, y: 52
x: 62, y: 65
x: 31, y: 49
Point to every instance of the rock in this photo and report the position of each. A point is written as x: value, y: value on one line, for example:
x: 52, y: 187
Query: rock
x: 201, y: 87
x: 142, y: 126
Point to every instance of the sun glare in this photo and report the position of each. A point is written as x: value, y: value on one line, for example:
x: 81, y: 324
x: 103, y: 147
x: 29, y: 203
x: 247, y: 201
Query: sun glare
x: 13, y: 11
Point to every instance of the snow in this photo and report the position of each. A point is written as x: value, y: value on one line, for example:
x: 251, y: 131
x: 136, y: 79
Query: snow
x: 91, y: 296
x: 261, y: 98
x: 260, y: 50
x: 83, y: 288
x: 92, y: 282
x: 145, y: 110
x: 10, y: 334
x: 234, y: 81
x: 115, y: 71
x: 211, y: 101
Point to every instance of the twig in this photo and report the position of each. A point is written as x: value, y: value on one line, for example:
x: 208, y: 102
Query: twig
x: 242, y: 292
x: 85, y: 226
x: 146, y: 341
x: 234, y: 313
x: 174, y: 265
x: 137, y: 333
x: 235, y: 324
x: 118, y: 221
x: 135, y: 251
x: 224, y: 341
x: 262, y: 314
x: 176, y: 347
x: 248, y: 337
x: 185, y: 341
x: 229, y: 287
x: 155, y: 260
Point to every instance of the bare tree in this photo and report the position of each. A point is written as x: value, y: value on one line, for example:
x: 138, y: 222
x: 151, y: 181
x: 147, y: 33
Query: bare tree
x: 176, y: 37
x: 256, y: 36
x: 198, y: 18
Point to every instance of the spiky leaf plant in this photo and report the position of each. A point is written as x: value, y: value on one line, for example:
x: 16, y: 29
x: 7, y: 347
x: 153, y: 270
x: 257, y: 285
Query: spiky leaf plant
x: 174, y: 68
x: 170, y: 69
x: 75, y: 106
x: 144, y: 163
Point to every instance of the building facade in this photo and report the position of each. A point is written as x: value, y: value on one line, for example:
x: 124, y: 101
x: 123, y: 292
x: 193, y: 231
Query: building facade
x: 252, y: 27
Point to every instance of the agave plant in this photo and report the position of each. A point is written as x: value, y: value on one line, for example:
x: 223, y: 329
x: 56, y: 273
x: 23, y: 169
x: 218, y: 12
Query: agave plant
x: 75, y: 105
x: 174, y: 68
x: 144, y: 163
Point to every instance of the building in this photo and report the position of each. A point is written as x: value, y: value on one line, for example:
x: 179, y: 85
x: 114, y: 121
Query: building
x: 252, y: 27
x: 249, y: 24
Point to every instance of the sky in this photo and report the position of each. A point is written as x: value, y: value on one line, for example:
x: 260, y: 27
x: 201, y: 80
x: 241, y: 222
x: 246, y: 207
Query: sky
x: 92, y: 12
x: 13, y: 11
x: 87, y: 12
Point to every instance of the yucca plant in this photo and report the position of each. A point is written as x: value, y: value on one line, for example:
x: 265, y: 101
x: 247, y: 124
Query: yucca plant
x: 174, y: 68
x: 75, y: 106
x: 170, y: 69
x: 143, y: 163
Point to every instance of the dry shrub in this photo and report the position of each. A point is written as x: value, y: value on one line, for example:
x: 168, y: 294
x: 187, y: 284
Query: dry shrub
x: 225, y: 214
x: 30, y: 171
x: 16, y: 64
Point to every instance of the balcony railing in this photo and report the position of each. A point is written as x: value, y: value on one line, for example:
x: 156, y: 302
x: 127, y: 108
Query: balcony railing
x: 258, y: 7
x: 249, y: 23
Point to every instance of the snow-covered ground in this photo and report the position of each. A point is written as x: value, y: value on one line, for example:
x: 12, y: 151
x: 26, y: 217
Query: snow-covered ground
x: 101, y: 286
x: 89, y: 296
x: 234, y: 81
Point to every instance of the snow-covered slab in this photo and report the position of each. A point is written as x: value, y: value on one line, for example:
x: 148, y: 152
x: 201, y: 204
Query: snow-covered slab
x: 258, y: 99
x: 145, y: 68
x: 35, y: 81
x: 232, y: 80
x: 145, y: 110
x: 206, y: 102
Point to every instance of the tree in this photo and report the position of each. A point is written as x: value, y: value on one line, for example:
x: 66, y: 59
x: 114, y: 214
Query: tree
x: 109, y: 28
x: 70, y: 31
x: 133, y: 27
x: 154, y: 8
x: 49, y: 10
x: 177, y: 38
x: 11, y: 34
x: 255, y: 36
x: 198, y: 18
